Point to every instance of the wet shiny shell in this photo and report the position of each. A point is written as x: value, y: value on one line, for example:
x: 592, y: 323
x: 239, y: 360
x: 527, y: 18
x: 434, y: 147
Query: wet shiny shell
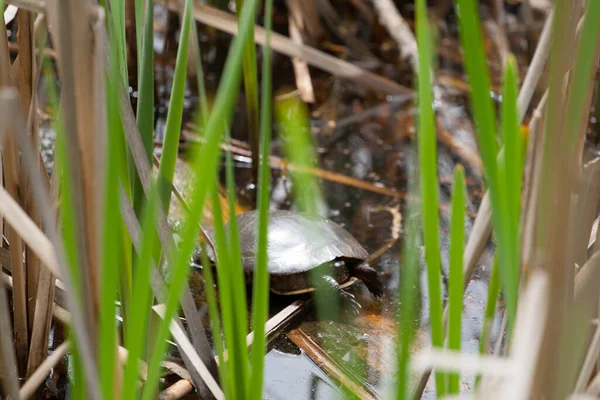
x: 298, y: 243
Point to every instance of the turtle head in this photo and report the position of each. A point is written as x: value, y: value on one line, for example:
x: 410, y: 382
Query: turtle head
x: 370, y: 277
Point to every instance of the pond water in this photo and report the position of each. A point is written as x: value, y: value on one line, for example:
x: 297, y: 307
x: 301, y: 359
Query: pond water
x: 311, y: 359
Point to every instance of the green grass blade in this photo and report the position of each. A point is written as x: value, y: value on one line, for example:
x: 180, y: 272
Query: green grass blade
x: 78, y: 382
x: 67, y: 220
x: 511, y: 172
x: 293, y: 119
x: 513, y: 144
x: 250, y: 87
x: 205, y: 163
x: 65, y: 192
x: 490, y: 311
x: 407, y: 310
x: 111, y: 248
x: 118, y: 60
x: 485, y: 119
x: 476, y: 66
x: 260, y: 292
x: 204, y: 107
x: 215, y: 325
x: 139, y: 28
x: 228, y: 307
x: 294, y: 127
x: 456, y: 284
x: 429, y: 185
x: 145, y: 104
x: 116, y: 29
x: 170, y: 150
x: 142, y: 297
x: 237, y: 281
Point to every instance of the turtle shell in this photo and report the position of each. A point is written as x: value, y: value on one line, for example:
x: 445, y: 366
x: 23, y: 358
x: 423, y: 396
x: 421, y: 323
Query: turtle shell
x: 298, y: 243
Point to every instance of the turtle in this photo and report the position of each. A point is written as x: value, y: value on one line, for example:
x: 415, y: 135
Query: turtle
x: 300, y: 242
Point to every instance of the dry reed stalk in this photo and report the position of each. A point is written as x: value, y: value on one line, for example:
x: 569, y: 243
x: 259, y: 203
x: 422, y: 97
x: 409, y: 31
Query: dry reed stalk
x: 531, y: 181
x: 14, y: 72
x: 586, y: 207
x: 8, y: 363
x: 44, y: 298
x: 11, y: 173
x: 40, y: 285
x: 69, y: 23
x: 10, y: 12
x: 589, y: 363
x: 307, y: 18
x: 554, y: 222
x: 497, y: 35
x: 26, y: 58
x: 42, y: 321
x: 17, y: 268
x: 447, y: 360
x: 50, y: 249
x: 275, y: 323
x: 42, y: 302
x: 586, y: 297
x: 37, y: 6
x: 526, y: 347
x: 594, y: 387
x: 301, y: 71
x: 41, y: 311
x: 535, y: 69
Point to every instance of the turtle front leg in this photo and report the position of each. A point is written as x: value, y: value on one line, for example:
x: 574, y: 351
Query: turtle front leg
x: 370, y: 277
x: 329, y: 286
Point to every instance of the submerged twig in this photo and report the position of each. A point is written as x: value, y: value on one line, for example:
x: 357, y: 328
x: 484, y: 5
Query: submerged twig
x: 318, y: 355
x: 390, y: 17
